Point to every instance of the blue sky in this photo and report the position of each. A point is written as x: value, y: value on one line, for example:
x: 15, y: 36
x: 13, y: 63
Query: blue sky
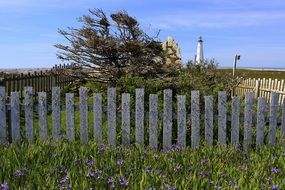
x: 255, y: 29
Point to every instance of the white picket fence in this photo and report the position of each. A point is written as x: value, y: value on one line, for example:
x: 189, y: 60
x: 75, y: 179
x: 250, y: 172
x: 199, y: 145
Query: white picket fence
x: 143, y: 119
x: 262, y: 88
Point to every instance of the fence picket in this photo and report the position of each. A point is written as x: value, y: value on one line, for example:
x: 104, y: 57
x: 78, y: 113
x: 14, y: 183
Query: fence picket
x: 56, y: 113
x: 139, y: 120
x: 248, y: 120
x: 260, y: 123
x: 29, y: 123
x: 209, y: 120
x: 153, y: 118
x: 111, y: 116
x: 283, y: 122
x: 181, y: 121
x: 167, y: 119
x: 126, y: 119
x: 42, y: 116
x: 83, y: 108
x: 195, y: 119
x: 69, y: 103
x: 273, y: 119
x: 97, y: 111
x: 222, y: 118
x: 15, y: 117
x: 235, y: 120
x: 3, y: 125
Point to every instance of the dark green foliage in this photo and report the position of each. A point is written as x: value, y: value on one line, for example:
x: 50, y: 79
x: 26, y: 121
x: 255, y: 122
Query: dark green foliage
x: 106, y: 49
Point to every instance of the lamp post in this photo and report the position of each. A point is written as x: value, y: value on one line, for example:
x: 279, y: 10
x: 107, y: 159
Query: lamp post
x: 237, y: 57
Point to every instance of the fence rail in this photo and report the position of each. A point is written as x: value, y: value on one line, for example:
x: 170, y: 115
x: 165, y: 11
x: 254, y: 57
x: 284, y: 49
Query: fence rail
x: 261, y: 88
x: 40, y: 81
x: 146, y: 125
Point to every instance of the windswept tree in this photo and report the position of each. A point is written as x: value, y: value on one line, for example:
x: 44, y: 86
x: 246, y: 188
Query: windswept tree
x: 107, y: 48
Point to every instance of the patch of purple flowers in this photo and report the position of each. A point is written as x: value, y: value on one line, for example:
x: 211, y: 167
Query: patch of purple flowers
x: 275, y: 170
x: 177, y: 168
x: 20, y: 172
x: 120, y: 162
x: 4, y: 186
x: 275, y: 187
x: 124, y: 182
x: 89, y: 163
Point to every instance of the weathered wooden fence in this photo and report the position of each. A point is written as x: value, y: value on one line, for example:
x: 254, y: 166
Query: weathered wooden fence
x: 262, y: 88
x: 40, y: 81
x: 144, y: 121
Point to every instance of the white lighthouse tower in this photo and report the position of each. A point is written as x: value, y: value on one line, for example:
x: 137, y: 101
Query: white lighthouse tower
x: 200, y: 54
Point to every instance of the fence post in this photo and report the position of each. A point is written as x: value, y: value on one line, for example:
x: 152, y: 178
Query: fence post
x: 42, y: 96
x: 126, y: 119
x: 97, y: 111
x: 167, y: 119
x: 222, y: 118
x: 273, y: 119
x: 15, y: 117
x: 83, y: 93
x: 209, y: 120
x: 195, y: 119
x: 260, y: 123
x: 69, y: 103
x: 3, y: 124
x: 235, y: 120
x: 139, y: 116
x: 181, y: 121
x: 248, y: 120
x: 29, y: 123
x: 111, y: 116
x: 257, y: 89
x: 283, y: 122
x: 56, y: 113
x: 153, y: 118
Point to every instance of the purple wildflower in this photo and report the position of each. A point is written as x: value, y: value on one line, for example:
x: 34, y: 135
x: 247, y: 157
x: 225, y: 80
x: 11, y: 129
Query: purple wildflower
x: 242, y: 167
x: 218, y: 187
x: 19, y: 173
x: 90, y: 174
x: 275, y: 170
x: 203, y: 174
x: 4, y: 186
x: 232, y: 182
x: 248, y: 160
x: 190, y: 168
x: 110, y: 180
x: 89, y: 163
x: 147, y: 170
x: 158, y: 171
x: 204, y: 161
x: 175, y: 147
x: 120, y: 162
x: 275, y: 187
x: 101, y: 149
x: 124, y: 182
x: 177, y: 168
x: 63, y: 180
x: 239, y: 146
x: 211, y: 181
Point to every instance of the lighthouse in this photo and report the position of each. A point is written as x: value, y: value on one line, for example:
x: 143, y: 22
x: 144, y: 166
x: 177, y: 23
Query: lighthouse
x: 199, y: 55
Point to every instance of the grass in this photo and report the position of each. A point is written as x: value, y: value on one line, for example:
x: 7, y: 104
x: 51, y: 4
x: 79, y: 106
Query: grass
x: 247, y: 73
x: 62, y: 165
